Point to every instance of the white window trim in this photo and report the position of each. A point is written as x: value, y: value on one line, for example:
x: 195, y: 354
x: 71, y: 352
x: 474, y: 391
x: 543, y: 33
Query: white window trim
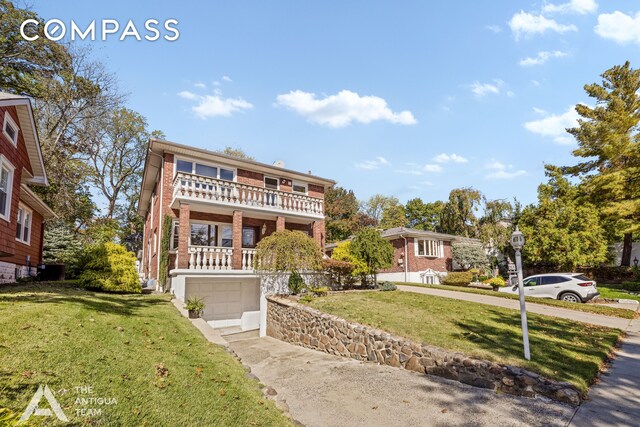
x: 173, y: 235
x: 25, y: 210
x: 213, y: 165
x: 439, y: 248
x: 264, y: 182
x: 218, y: 237
x: 155, y: 242
x: 4, y: 163
x: 9, y: 119
x: 300, y: 183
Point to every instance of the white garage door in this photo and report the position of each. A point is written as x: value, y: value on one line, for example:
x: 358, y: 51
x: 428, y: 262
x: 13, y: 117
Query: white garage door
x: 228, y: 302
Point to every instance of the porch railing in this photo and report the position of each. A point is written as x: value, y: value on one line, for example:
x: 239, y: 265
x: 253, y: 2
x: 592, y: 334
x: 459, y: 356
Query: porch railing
x: 210, y: 258
x: 247, y: 258
x: 234, y: 193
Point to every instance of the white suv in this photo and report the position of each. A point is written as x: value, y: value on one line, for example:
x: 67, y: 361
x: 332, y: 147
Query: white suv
x: 570, y: 287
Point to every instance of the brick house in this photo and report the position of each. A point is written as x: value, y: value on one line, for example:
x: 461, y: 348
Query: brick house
x: 419, y: 256
x: 22, y: 212
x: 221, y: 207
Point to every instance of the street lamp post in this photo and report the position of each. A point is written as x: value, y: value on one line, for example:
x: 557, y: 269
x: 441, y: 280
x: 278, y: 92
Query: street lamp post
x: 517, y: 241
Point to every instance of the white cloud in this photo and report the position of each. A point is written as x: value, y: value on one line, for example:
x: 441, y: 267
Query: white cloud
x: 535, y: 82
x: 541, y: 58
x: 539, y: 111
x: 619, y: 27
x: 483, y: 89
x: 554, y: 126
x: 526, y: 24
x: 501, y: 171
x: 409, y: 171
x: 510, y: 94
x: 226, y: 79
x: 200, y: 85
x: 342, y: 109
x: 208, y: 106
x: 372, y: 164
x: 432, y: 168
x: 573, y: 6
x: 446, y: 158
x: 493, y: 28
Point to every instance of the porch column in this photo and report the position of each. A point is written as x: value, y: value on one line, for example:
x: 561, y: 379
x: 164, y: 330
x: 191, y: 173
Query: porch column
x: 318, y: 232
x: 183, y: 235
x: 236, y: 259
x: 280, y: 223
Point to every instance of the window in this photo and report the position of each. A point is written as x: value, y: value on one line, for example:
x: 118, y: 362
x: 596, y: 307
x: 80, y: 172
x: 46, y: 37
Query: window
x: 299, y: 187
x: 10, y: 129
x: 226, y: 236
x: 552, y: 280
x: 176, y: 235
x: 270, y: 183
x: 155, y: 242
x: 205, y: 170
x: 533, y: 281
x: 429, y: 248
x: 203, y: 235
x: 6, y: 184
x: 23, y: 226
x: 249, y: 237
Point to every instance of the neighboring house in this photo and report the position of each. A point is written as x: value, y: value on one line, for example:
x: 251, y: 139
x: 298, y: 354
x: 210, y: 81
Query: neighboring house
x: 22, y: 212
x: 420, y: 256
x: 221, y: 207
x: 428, y: 255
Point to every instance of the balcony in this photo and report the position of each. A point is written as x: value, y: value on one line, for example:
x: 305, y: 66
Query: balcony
x: 197, y: 188
x: 217, y: 259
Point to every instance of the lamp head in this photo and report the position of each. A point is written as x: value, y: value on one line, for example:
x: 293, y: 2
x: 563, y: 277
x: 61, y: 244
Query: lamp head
x: 517, y: 239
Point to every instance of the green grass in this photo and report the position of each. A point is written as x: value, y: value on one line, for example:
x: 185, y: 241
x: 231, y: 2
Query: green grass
x: 615, y: 293
x: 561, y: 349
x: 589, y: 308
x: 134, y: 348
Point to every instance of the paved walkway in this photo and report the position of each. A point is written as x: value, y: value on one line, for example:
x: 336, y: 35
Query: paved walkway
x: 580, y: 316
x: 322, y: 390
x: 615, y: 400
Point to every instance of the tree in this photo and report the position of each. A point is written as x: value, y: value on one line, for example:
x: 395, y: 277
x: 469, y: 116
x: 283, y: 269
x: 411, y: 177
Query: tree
x: 496, y: 225
x: 458, y: 216
x: 235, y: 152
x: 340, y: 208
x: 424, y: 216
x: 376, y: 252
x: 61, y: 246
x: 393, y: 214
x: 26, y: 65
x: 375, y: 205
x: 608, y: 138
x: 563, y: 231
x: 469, y: 255
x: 288, y: 251
x: 342, y: 252
x: 110, y: 268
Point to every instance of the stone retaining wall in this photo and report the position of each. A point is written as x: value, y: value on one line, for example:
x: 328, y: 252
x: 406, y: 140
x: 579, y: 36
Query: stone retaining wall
x: 304, y: 326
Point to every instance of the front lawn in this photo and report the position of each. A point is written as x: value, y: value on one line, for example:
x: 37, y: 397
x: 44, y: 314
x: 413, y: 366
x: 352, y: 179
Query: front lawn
x: 135, y: 349
x: 617, y: 293
x: 561, y: 349
x: 589, y: 308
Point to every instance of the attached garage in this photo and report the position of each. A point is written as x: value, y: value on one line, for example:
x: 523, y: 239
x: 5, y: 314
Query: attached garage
x: 228, y: 302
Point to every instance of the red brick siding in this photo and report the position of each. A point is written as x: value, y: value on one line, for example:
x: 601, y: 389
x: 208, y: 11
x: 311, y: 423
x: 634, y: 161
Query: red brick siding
x: 19, y: 159
x: 34, y: 248
x: 316, y: 191
x: 416, y: 263
x: 244, y: 176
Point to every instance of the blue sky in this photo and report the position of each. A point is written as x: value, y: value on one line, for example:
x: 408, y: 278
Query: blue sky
x: 403, y: 98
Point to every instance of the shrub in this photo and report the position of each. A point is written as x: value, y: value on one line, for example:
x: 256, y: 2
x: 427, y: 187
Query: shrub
x: 110, y: 268
x: 339, y: 271
x: 387, y: 286
x: 496, y: 282
x: 319, y: 291
x: 628, y: 286
x: 469, y: 255
x: 194, y: 304
x: 454, y: 278
x: 306, y: 299
x: 296, y: 283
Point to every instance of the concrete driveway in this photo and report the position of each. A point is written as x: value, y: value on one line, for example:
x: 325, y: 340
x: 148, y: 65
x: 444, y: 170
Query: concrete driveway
x: 324, y: 390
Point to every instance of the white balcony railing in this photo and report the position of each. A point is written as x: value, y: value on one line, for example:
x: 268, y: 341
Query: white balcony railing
x: 233, y: 193
x: 210, y: 258
x: 217, y: 258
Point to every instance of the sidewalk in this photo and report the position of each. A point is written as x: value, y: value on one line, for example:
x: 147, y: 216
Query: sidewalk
x: 579, y: 316
x: 615, y: 400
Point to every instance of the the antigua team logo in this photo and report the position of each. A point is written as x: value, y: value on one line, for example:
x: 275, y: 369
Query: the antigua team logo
x: 33, y: 409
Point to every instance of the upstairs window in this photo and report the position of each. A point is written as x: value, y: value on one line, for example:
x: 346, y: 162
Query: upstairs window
x: 205, y: 170
x: 175, y: 235
x: 299, y: 187
x: 6, y: 184
x: 271, y: 183
x: 23, y: 226
x: 10, y: 129
x: 429, y: 248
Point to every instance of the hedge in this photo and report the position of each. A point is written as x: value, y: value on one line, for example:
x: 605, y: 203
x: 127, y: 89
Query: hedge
x: 456, y: 278
x: 110, y: 268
